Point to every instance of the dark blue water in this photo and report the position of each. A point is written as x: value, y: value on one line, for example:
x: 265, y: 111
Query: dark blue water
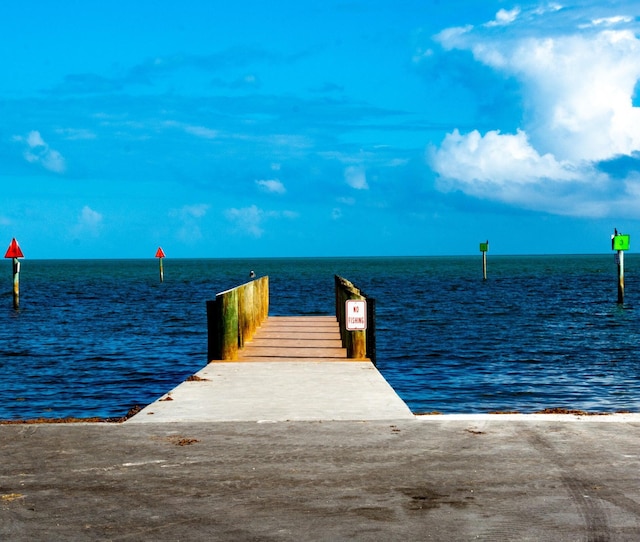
x: 95, y: 338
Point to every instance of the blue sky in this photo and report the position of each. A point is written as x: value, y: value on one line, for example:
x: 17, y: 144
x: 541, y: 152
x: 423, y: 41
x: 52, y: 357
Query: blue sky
x: 334, y: 128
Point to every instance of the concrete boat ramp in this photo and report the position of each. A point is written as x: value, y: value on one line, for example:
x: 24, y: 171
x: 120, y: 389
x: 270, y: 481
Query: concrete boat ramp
x: 295, y: 369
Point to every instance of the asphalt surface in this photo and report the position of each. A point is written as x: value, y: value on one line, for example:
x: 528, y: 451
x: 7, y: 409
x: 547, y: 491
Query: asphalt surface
x: 538, y: 478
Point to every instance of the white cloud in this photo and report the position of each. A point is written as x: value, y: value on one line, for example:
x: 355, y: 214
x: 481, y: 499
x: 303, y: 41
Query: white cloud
x: 580, y: 91
x: 198, y: 131
x: 201, y: 131
x: 452, y: 38
x: 75, y: 134
x: 356, y: 177
x: 250, y: 220
x: 272, y: 185
x: 188, y: 219
x: 53, y: 161
x: 89, y: 223
x: 89, y: 217
x: 506, y: 168
x: 421, y: 54
x: 504, y: 17
x: 611, y: 21
x: 37, y: 151
x: 247, y: 220
x: 577, y: 90
x: 34, y: 139
x: 397, y: 162
x: 190, y: 211
x: 498, y: 159
x: 196, y: 211
x: 348, y: 158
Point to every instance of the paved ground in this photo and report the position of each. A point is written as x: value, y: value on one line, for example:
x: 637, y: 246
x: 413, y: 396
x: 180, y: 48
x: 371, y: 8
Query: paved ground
x: 434, y: 478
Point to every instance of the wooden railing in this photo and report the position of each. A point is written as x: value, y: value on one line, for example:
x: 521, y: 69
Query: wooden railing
x: 234, y: 316
x: 360, y: 344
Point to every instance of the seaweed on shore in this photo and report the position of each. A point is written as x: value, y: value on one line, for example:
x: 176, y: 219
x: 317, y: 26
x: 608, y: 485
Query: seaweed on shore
x: 560, y: 410
x: 132, y: 412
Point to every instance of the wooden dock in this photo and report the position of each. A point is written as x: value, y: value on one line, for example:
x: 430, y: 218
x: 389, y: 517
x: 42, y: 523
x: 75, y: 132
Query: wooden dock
x: 294, y: 368
x: 296, y: 338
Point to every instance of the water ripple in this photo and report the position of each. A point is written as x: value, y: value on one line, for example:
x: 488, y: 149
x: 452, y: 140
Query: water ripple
x: 94, y: 338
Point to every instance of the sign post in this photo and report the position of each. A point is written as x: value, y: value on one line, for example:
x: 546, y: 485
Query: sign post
x: 484, y: 248
x: 620, y: 242
x: 160, y: 254
x: 14, y: 252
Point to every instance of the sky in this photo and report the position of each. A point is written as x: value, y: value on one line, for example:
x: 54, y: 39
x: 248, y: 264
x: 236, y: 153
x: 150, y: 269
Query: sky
x: 335, y: 128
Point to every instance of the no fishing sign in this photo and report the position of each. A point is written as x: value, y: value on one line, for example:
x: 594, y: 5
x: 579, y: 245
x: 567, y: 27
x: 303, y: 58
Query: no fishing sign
x: 356, y: 314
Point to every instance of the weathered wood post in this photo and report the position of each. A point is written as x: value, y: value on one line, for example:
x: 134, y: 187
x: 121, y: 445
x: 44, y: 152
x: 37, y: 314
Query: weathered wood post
x: 247, y: 323
x: 484, y: 248
x: 356, y: 326
x: 160, y: 254
x: 620, y: 242
x: 223, y: 331
x: 620, y: 276
x: 234, y: 316
x: 15, y: 252
x: 371, y: 330
x: 264, y: 298
x: 355, y: 312
x: 16, y: 283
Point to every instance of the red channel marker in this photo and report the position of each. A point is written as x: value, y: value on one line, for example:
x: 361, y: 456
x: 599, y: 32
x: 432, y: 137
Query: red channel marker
x: 14, y: 250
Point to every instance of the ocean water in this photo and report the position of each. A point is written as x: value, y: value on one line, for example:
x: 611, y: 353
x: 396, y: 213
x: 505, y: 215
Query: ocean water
x: 97, y: 337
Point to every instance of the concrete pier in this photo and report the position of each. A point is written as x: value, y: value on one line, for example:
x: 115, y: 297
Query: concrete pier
x: 293, y: 369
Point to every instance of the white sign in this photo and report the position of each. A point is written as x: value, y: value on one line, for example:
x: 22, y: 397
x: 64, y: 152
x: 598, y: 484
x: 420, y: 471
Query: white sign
x: 356, y: 314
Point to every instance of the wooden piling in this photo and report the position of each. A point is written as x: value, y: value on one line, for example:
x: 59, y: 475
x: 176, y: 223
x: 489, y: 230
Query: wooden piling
x: 234, y: 317
x: 16, y: 283
x: 223, y: 333
x: 14, y: 252
x: 264, y: 298
x: 620, y: 243
x: 358, y: 343
x: 246, y: 315
x: 160, y: 254
x: 621, y: 276
x: 484, y: 248
x: 371, y: 330
x: 484, y: 266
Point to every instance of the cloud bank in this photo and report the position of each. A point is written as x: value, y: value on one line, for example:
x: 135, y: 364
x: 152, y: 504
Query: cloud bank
x: 577, y: 88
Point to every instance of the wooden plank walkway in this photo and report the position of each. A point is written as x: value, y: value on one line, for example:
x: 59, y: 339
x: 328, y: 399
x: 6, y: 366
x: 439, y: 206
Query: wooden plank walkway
x: 294, y: 369
x: 296, y: 338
